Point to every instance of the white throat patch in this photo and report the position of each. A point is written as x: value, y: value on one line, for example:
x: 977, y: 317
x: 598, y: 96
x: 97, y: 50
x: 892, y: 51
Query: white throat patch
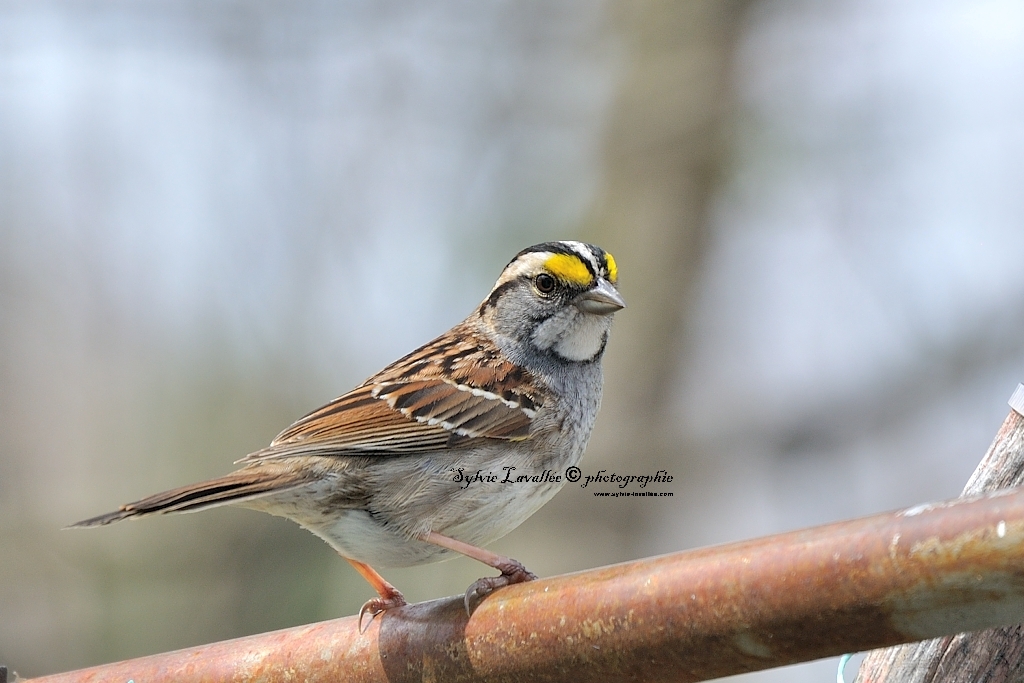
x: 572, y: 335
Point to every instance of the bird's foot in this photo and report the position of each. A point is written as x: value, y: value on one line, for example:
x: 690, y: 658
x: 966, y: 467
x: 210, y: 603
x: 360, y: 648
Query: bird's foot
x: 512, y: 571
x: 379, y: 605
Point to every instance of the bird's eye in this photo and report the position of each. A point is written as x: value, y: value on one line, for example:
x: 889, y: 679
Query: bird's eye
x: 545, y: 283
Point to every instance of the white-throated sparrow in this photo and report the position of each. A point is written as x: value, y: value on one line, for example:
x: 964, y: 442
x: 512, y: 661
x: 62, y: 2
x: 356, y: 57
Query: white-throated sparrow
x: 387, y: 473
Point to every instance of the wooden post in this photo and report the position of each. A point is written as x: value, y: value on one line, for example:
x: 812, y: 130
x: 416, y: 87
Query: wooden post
x: 994, y: 655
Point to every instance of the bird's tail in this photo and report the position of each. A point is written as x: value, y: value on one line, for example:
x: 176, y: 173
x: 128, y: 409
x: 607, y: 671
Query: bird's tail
x: 245, y: 484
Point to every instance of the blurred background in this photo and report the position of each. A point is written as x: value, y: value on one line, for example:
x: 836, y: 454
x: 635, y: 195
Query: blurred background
x: 216, y: 216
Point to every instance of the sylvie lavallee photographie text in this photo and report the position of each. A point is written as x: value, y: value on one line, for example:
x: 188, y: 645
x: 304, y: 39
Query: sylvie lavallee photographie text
x: 508, y: 475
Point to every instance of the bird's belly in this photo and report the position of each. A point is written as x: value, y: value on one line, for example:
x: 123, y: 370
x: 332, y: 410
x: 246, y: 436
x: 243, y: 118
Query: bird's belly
x: 495, y: 511
x: 357, y: 535
x: 477, y: 517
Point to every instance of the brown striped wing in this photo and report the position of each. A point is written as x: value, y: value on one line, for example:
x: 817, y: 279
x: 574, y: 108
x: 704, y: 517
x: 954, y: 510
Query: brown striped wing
x: 444, y: 395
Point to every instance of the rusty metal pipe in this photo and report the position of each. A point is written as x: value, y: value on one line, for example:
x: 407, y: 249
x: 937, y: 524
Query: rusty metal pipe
x: 690, y: 616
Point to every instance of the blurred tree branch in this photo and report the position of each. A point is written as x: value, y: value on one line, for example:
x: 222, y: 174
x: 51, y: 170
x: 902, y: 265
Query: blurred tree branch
x: 664, y: 154
x: 991, y: 343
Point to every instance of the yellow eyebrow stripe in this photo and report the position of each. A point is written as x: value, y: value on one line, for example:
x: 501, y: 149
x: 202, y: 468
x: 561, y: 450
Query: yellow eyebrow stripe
x: 569, y: 268
x: 613, y: 270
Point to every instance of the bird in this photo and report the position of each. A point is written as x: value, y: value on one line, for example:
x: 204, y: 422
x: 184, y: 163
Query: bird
x: 450, y: 447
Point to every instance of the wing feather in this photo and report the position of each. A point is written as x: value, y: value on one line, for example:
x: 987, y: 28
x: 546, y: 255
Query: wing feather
x: 446, y: 394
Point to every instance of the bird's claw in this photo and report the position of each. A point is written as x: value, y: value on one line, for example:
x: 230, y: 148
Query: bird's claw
x: 376, y: 606
x: 511, y: 572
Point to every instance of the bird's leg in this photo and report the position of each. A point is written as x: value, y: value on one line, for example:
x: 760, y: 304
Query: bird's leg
x: 512, y: 571
x: 389, y: 595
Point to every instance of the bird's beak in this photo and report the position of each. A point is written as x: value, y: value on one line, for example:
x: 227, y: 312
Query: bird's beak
x: 601, y: 300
